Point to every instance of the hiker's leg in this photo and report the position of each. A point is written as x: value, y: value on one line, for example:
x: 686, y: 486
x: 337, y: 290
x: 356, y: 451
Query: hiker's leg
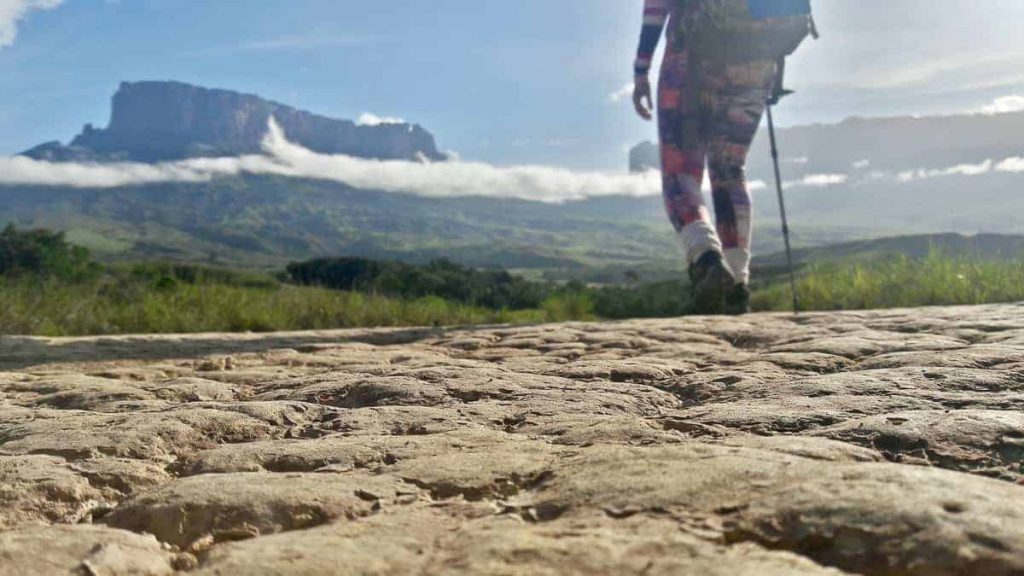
x: 683, y: 156
x: 733, y: 205
x: 736, y: 115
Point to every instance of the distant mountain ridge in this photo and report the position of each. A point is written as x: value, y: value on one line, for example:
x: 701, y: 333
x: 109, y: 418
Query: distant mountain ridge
x: 896, y: 144
x: 165, y: 121
x: 860, y: 145
x: 980, y: 247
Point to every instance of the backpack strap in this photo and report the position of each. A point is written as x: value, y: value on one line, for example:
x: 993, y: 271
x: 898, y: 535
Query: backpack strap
x: 778, y: 90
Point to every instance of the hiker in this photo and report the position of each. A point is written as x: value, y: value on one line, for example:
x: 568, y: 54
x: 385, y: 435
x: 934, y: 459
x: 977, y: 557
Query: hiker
x: 709, y: 108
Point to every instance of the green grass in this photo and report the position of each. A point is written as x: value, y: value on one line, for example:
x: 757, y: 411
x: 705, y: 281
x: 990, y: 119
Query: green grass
x: 113, y: 306
x: 98, y: 241
x: 165, y: 298
x: 897, y: 283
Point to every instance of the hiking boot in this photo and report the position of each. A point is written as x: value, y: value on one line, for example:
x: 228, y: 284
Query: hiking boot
x: 710, y: 280
x: 737, y: 300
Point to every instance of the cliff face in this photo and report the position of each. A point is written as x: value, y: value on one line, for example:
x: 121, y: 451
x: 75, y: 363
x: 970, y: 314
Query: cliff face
x: 154, y: 121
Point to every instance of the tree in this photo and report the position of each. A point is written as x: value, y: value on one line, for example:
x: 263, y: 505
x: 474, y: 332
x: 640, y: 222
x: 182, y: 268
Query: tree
x: 43, y: 253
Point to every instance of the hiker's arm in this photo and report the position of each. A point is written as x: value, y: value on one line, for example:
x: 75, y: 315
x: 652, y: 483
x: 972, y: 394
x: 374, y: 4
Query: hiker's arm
x: 655, y: 15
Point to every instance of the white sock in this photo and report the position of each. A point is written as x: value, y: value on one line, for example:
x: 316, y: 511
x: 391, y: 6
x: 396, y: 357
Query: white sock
x: 697, y: 238
x: 738, y: 260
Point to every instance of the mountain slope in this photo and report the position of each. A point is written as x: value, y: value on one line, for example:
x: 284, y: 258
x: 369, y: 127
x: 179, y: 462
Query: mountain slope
x: 268, y: 221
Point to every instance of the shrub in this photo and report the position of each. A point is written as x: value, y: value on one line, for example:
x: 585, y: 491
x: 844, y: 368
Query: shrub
x: 43, y: 254
x: 492, y: 289
x: 170, y: 274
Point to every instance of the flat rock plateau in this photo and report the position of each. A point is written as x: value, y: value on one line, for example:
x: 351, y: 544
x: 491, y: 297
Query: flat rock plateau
x: 878, y: 443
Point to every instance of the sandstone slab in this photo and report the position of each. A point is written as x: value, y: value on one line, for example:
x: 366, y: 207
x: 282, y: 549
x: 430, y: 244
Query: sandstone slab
x: 876, y: 443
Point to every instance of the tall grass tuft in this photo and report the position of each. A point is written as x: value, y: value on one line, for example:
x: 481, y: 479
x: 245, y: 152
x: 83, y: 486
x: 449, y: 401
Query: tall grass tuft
x: 52, y: 308
x: 568, y: 305
x: 163, y: 299
x: 900, y: 282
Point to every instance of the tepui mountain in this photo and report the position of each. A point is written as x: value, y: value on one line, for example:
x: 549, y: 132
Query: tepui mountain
x: 166, y: 121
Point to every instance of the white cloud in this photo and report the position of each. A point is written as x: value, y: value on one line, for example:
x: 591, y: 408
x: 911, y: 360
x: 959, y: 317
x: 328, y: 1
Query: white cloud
x: 927, y: 69
x: 13, y: 11
x: 23, y: 170
x: 959, y: 170
x: 301, y: 42
x: 819, y: 181
x: 1004, y: 105
x: 862, y: 164
x: 1011, y: 165
x: 442, y: 179
x: 621, y: 94
x: 283, y: 158
x: 368, y: 119
x: 297, y: 43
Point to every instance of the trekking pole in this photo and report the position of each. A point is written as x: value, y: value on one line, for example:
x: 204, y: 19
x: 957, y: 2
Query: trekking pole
x: 782, y: 210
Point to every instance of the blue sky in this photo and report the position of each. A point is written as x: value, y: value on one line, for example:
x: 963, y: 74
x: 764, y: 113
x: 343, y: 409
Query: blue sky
x: 527, y: 81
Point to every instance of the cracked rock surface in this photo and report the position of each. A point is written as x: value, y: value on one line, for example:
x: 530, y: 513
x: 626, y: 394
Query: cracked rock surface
x: 877, y: 443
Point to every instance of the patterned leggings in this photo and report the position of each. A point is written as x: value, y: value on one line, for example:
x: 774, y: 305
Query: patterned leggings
x: 714, y: 126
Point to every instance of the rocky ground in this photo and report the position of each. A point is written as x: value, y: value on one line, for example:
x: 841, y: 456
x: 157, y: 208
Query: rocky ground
x: 879, y: 443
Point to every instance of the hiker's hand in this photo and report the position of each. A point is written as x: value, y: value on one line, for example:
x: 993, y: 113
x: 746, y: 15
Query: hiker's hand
x: 642, y: 100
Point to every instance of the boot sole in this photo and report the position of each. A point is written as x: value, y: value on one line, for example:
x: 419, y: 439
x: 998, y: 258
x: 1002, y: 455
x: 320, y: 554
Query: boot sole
x: 736, y: 303
x: 733, y: 310
x: 709, y: 294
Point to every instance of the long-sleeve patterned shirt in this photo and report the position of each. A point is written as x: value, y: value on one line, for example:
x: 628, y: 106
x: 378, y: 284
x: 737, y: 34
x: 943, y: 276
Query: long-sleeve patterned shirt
x: 656, y: 13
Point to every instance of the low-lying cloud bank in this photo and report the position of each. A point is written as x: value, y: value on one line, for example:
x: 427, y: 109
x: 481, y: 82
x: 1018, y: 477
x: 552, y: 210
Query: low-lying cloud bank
x: 1009, y: 166
x: 283, y: 158
x: 441, y: 179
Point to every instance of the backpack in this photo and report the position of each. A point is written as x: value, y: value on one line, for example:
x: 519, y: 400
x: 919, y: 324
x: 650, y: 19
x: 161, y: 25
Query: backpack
x: 744, y: 31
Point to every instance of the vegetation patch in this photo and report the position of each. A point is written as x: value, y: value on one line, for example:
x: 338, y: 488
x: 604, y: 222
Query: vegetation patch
x: 51, y: 287
x: 899, y: 282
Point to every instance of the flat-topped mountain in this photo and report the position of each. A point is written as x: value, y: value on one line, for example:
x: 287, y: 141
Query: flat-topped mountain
x: 157, y: 121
